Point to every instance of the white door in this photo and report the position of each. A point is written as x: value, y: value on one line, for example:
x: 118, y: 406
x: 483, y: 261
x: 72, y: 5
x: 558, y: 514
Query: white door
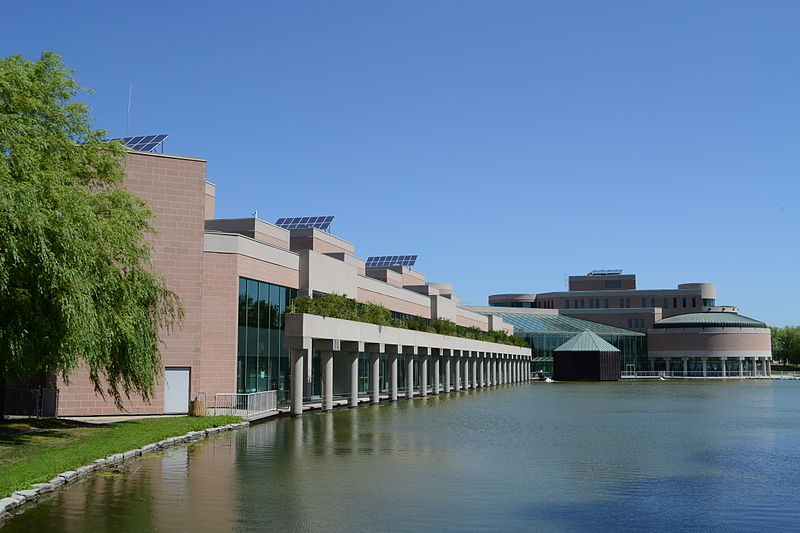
x: 176, y: 390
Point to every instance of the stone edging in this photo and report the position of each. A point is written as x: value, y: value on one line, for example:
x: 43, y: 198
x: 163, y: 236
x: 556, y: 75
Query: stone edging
x: 22, y: 497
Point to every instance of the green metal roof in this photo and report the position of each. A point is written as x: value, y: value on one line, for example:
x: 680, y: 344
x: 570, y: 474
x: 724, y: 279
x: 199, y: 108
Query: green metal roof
x: 586, y: 342
x: 709, y: 319
x: 550, y: 323
x: 542, y: 360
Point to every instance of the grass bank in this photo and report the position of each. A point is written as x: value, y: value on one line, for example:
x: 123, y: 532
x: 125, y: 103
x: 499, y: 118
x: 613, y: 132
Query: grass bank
x: 36, y: 450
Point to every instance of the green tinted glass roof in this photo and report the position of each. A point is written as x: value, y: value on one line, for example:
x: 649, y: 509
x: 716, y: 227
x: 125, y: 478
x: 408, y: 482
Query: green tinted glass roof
x: 549, y: 323
x: 586, y: 342
x: 710, y: 319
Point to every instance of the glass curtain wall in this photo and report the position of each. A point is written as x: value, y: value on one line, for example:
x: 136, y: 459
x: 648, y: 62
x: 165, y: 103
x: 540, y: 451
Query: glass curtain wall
x: 263, y: 362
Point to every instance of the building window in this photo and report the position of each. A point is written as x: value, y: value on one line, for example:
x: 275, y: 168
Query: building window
x: 621, y: 302
x: 652, y: 302
x: 628, y: 303
x: 666, y: 301
x: 262, y: 361
x: 675, y: 303
x: 630, y: 324
x: 709, y: 302
x: 613, y: 284
x: 583, y: 304
x: 597, y: 303
x: 684, y: 302
x: 567, y: 304
x: 694, y: 302
x: 606, y: 302
x: 644, y: 301
x: 591, y: 303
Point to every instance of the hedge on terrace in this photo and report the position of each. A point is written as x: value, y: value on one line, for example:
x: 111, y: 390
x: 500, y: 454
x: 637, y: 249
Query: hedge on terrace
x: 338, y: 306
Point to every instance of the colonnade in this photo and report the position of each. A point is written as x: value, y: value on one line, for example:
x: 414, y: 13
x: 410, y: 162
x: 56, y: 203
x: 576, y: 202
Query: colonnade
x: 461, y: 370
x: 760, y: 366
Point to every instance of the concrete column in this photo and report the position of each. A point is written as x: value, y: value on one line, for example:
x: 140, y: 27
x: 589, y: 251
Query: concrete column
x: 457, y: 376
x: 705, y: 366
x: 474, y: 372
x: 375, y: 376
x: 768, y: 362
x: 755, y: 366
x: 467, y: 379
x: 685, y: 366
x: 353, y: 379
x: 723, y: 363
x: 409, y: 376
x: 495, y: 377
x: 516, y: 371
x: 327, y: 380
x: 465, y: 383
x: 298, y: 361
x: 448, y: 360
x: 667, y: 361
x: 484, y: 380
x: 741, y: 367
x: 423, y: 375
x: 392, y: 377
x: 652, y: 365
x: 435, y: 372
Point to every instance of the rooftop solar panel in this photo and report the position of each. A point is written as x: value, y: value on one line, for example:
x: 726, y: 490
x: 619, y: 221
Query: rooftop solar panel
x: 143, y: 143
x: 321, y: 223
x: 391, y: 260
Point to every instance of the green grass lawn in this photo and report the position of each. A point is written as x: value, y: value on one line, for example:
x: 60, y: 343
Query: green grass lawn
x: 36, y: 450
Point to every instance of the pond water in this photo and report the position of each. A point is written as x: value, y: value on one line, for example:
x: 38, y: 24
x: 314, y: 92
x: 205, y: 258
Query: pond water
x: 701, y: 455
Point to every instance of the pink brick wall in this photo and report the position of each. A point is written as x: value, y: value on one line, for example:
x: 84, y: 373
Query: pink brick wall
x: 174, y: 188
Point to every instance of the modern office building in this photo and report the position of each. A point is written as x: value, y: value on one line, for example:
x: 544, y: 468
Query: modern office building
x: 237, y: 277
x: 682, y: 330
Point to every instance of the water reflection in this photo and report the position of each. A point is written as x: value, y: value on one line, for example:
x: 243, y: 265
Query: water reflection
x: 564, y: 456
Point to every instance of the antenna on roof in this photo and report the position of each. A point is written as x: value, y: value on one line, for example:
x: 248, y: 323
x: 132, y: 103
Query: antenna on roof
x: 128, y: 119
x: 255, y: 213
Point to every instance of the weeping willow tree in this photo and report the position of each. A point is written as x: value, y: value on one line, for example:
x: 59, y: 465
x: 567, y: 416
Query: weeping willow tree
x: 76, y: 279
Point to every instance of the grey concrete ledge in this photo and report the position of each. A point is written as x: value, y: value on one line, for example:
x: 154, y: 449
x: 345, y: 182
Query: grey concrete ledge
x: 16, y: 500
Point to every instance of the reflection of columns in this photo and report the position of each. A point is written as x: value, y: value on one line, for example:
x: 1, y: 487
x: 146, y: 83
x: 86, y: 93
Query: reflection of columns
x: 298, y: 360
x: 375, y: 376
x: 327, y: 380
x: 723, y: 364
x: 393, y: 376
x: 448, y: 359
x: 423, y: 374
x: 436, y: 359
x: 685, y: 366
x: 705, y: 366
x: 741, y: 367
x: 353, y: 379
x: 409, y: 375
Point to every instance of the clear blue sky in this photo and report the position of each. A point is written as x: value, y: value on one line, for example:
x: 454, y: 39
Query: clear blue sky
x: 508, y: 143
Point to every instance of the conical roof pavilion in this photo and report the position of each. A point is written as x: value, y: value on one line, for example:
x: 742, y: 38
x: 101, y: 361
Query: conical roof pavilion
x: 586, y: 342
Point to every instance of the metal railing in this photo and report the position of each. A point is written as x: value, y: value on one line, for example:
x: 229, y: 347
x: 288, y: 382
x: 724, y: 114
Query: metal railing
x: 249, y: 406
x: 687, y: 374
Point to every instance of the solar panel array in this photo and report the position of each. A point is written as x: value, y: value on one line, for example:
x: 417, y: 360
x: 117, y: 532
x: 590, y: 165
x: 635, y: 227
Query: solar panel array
x: 322, y: 223
x: 144, y: 143
x: 391, y: 260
